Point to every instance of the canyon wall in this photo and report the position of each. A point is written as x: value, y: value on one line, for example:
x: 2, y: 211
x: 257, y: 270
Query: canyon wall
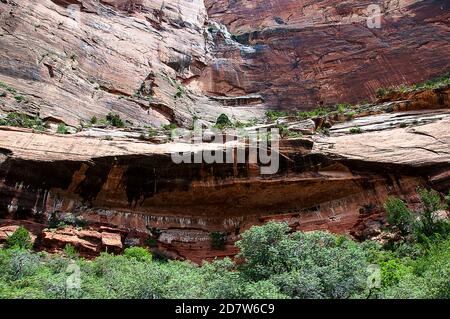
x: 301, y: 54
x: 161, y: 62
x: 338, y: 183
x: 158, y: 62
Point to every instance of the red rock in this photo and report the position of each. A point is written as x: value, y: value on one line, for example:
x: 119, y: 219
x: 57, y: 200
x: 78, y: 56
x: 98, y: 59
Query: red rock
x: 112, y: 242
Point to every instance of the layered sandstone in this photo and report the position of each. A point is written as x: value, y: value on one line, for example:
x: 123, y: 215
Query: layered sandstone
x: 323, y: 183
x: 300, y: 54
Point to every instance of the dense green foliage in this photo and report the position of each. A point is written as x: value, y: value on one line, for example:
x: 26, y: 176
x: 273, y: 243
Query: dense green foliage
x: 62, y: 129
x: 273, y: 263
x: 114, y: 120
x: 426, y: 224
x: 223, y: 121
x: 23, y: 120
x: 20, y: 239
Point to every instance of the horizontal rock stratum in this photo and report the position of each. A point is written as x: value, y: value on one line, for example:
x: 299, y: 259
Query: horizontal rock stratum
x: 136, y: 187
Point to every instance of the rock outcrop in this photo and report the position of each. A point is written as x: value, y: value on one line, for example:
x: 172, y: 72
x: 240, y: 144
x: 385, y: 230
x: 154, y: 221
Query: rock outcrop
x: 323, y: 183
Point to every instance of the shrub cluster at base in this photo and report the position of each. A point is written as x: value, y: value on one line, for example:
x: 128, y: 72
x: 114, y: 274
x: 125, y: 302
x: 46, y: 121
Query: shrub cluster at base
x: 273, y: 263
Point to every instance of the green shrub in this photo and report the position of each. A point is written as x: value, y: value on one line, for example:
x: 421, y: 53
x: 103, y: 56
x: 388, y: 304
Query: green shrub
x: 93, y: 120
x: 70, y: 251
x: 342, y: 108
x: 356, y: 130
x: 152, y: 132
x: 318, y: 112
x: 19, y: 239
x: 180, y: 92
x: 23, y: 120
x: 399, y: 216
x: 19, y: 98
x: 115, y: 120
x: 218, y: 240
x: 271, y: 253
x: 138, y: 253
x: 275, y: 115
x: 223, y: 121
x: 62, y: 129
x: 428, y: 224
x: 381, y: 92
x: 392, y: 271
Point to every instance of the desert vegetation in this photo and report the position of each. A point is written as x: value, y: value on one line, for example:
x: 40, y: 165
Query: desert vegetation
x: 273, y: 262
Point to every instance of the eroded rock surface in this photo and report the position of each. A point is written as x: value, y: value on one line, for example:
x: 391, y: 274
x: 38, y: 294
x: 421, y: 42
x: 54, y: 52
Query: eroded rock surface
x: 136, y: 187
x: 300, y: 54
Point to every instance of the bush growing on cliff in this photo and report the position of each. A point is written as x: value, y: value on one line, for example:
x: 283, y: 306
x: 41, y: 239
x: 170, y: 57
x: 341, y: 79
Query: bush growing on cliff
x: 19, y: 239
x: 115, y: 120
x: 428, y: 223
x: 223, y: 122
x: 399, y: 216
x: 62, y: 129
x: 23, y: 120
x: 275, y: 115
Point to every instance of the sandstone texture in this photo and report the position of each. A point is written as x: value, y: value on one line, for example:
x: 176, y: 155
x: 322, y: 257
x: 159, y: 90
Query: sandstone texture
x: 323, y: 183
x: 300, y: 54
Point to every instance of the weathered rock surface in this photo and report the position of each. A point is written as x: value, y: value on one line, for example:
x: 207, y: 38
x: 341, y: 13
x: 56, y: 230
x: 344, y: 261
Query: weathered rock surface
x: 72, y: 60
x: 87, y: 242
x: 136, y: 187
x: 300, y: 54
x: 157, y: 62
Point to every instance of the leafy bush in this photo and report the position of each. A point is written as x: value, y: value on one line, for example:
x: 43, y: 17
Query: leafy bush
x: 356, y: 130
x: 62, y: 129
x: 429, y: 224
x: 93, y: 120
x: 70, y: 251
x: 274, y: 263
x: 115, y: 120
x: 19, y: 98
x: 223, y: 121
x: 19, y: 239
x: 7, y: 87
x: 438, y: 82
x: 23, y: 120
x: 271, y: 253
x: 399, y: 216
x: 138, y: 253
x: 275, y: 115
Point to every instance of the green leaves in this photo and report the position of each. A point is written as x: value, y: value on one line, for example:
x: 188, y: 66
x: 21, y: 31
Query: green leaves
x: 399, y: 216
x: 19, y: 239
